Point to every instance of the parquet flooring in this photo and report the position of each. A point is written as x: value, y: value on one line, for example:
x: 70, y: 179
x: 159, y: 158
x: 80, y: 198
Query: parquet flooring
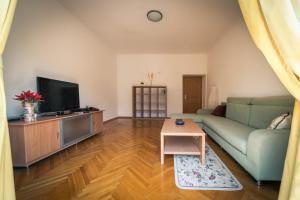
x: 123, y: 163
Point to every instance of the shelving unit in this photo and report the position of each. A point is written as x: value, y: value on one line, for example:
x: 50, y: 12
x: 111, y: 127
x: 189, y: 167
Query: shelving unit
x: 149, y: 101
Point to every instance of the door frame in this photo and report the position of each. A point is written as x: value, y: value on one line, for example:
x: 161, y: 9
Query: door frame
x: 204, y: 88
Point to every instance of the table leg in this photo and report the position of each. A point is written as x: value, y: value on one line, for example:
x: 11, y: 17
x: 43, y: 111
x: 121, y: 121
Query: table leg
x: 203, y: 150
x: 162, y: 149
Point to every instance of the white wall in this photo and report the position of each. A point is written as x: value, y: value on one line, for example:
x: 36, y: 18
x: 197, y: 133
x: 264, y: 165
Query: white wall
x: 46, y: 40
x: 238, y: 68
x: 168, y: 70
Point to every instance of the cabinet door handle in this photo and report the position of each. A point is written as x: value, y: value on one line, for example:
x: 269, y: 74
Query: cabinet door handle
x: 57, y: 134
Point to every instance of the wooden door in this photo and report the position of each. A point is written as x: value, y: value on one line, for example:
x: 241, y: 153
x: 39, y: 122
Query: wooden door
x: 42, y: 139
x: 192, y: 93
x: 97, y: 122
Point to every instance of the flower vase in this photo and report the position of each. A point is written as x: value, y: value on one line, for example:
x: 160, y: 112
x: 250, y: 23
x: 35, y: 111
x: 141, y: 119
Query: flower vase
x: 29, y: 114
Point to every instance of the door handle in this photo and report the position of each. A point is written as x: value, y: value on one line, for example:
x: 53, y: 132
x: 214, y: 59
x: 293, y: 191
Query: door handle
x: 185, y: 96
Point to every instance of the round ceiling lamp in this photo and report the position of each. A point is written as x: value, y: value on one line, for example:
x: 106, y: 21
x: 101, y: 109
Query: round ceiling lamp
x: 154, y: 16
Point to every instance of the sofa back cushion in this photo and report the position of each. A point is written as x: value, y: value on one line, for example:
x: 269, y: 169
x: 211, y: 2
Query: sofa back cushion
x: 265, y: 109
x: 238, y: 109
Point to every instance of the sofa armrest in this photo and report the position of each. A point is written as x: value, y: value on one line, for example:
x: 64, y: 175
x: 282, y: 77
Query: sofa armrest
x: 204, y: 111
x: 266, y: 149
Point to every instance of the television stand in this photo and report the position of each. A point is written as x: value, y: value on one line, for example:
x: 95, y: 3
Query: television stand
x: 34, y: 141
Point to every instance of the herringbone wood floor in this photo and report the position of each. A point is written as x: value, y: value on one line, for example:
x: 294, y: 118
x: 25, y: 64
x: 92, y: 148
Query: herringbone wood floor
x: 123, y: 163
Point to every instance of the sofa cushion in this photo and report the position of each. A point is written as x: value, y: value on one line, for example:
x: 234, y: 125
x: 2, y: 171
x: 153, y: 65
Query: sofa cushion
x: 238, y: 112
x: 198, y: 118
x: 239, y: 100
x: 261, y: 115
x: 204, y: 111
x: 233, y: 132
x: 287, y: 101
x: 265, y: 109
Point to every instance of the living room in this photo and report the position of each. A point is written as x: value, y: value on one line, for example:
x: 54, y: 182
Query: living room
x: 111, y: 51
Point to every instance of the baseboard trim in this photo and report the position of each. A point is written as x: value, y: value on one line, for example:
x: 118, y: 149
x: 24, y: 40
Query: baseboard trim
x: 125, y: 117
x: 112, y: 119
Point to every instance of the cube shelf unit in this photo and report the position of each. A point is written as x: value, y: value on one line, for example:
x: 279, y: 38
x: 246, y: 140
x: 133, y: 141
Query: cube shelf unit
x: 149, y: 101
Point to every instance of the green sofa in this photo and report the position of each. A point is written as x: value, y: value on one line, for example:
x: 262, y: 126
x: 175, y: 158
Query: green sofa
x: 244, y: 135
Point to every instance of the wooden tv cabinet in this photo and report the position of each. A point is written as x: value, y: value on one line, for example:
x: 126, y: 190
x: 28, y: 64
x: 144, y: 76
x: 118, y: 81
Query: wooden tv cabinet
x: 33, y: 141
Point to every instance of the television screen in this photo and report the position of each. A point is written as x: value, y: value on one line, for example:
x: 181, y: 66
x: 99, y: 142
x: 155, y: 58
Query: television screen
x: 58, y: 95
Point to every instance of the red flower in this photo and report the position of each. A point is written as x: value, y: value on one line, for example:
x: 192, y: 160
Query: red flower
x: 29, y: 96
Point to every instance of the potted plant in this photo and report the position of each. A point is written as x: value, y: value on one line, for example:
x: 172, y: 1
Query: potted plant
x: 29, y: 100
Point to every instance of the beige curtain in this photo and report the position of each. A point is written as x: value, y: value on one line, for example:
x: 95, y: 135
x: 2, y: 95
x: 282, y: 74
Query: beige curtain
x: 275, y: 28
x: 7, y: 189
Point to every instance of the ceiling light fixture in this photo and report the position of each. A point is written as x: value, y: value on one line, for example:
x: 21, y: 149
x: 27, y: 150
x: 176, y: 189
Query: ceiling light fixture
x: 154, y: 16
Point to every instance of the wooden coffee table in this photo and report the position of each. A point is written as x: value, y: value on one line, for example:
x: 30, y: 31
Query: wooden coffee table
x: 188, y: 139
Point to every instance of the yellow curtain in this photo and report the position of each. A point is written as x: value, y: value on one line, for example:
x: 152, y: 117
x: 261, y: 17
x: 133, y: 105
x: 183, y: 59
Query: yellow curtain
x: 7, y: 189
x: 275, y: 28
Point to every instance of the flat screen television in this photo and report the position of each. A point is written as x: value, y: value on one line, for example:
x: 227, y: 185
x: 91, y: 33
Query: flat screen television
x: 58, y: 95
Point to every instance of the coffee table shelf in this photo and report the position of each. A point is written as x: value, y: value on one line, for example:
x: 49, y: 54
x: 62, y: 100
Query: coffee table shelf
x: 181, y: 145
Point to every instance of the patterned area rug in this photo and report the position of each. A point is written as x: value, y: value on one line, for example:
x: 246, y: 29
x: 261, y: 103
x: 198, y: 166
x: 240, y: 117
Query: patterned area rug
x: 214, y: 175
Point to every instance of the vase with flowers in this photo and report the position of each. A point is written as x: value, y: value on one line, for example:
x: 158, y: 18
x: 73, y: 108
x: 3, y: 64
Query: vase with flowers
x: 29, y: 99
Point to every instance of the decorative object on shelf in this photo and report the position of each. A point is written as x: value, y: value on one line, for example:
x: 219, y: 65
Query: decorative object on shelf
x: 142, y: 83
x: 150, y: 77
x: 29, y: 100
x: 179, y: 122
x: 213, y: 97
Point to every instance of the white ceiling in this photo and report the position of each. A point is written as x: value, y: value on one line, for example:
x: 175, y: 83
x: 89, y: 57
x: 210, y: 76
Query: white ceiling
x: 188, y: 26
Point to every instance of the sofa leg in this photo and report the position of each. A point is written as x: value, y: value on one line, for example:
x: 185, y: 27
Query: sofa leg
x: 258, y: 183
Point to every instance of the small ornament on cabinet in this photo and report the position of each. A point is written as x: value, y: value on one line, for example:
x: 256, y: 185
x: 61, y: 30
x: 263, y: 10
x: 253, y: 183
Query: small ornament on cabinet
x: 29, y: 100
